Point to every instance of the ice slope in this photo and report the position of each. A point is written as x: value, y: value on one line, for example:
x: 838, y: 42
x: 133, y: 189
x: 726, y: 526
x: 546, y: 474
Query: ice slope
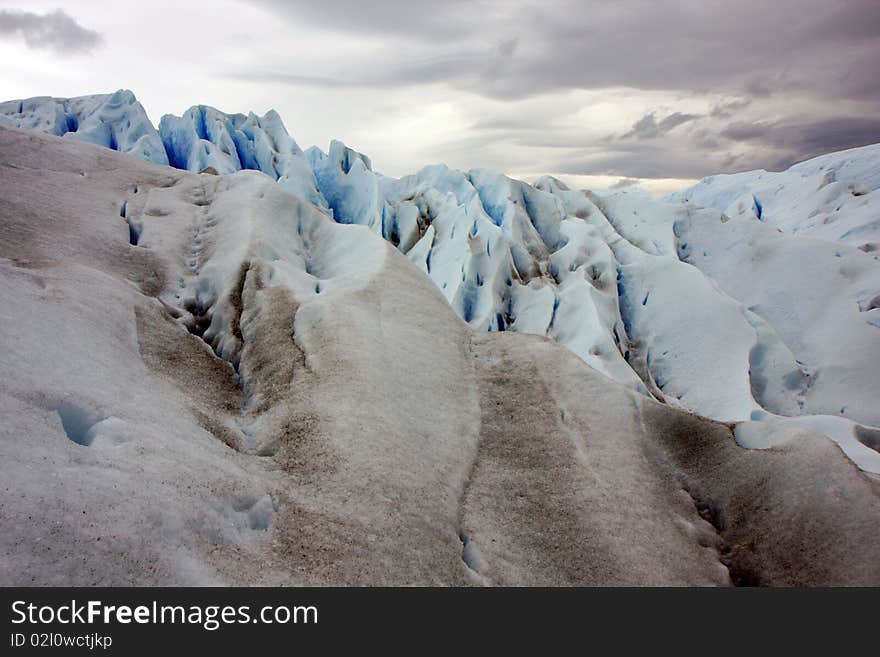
x: 833, y: 197
x: 208, y: 381
x: 821, y: 299
x: 302, y: 452
x: 716, y: 313
x: 807, y: 267
x: 117, y: 121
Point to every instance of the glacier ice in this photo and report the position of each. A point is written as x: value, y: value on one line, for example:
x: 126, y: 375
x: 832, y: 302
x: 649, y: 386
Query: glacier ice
x: 748, y: 296
x: 831, y: 197
x: 117, y: 121
x: 253, y: 393
x: 206, y: 138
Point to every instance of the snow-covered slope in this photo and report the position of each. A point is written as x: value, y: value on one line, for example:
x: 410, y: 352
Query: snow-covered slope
x: 798, y: 248
x: 832, y: 197
x: 208, y: 380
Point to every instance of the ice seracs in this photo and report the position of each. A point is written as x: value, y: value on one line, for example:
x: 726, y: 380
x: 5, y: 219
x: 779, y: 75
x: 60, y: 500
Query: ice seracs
x: 117, y: 121
x: 205, y: 138
x: 347, y: 184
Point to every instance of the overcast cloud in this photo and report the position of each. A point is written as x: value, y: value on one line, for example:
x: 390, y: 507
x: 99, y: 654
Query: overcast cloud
x: 605, y: 92
x: 55, y: 31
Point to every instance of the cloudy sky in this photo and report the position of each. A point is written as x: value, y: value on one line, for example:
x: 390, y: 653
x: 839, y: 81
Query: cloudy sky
x: 598, y: 92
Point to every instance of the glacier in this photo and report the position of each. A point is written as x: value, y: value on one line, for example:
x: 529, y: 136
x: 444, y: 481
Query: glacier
x: 831, y: 197
x: 117, y: 121
x: 446, y: 364
x: 205, y: 138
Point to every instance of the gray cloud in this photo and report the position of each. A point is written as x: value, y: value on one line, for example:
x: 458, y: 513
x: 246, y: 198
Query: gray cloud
x: 644, y: 160
x: 799, y: 140
x: 805, y: 61
x: 739, y: 146
x: 694, y: 45
x: 705, y: 139
x: 423, y: 19
x: 623, y: 183
x: 648, y: 127
x: 54, y: 31
x: 744, y: 131
x: 507, y: 47
x: 724, y: 110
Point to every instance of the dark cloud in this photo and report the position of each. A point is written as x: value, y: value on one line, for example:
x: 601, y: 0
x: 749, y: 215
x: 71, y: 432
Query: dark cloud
x: 724, y: 110
x: 413, y: 19
x: 508, y: 47
x: 676, y: 119
x: 694, y: 45
x: 648, y: 127
x: 744, y: 131
x: 738, y: 147
x: 54, y: 31
x: 623, y: 183
x: 776, y: 82
x: 416, y: 71
x: 762, y: 87
x: 796, y: 141
x: 705, y: 139
x: 646, y: 161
